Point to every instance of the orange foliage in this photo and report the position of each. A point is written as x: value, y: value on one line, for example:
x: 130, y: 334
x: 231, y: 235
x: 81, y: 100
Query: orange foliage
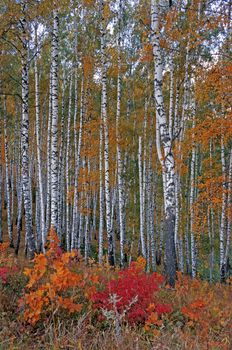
x: 88, y: 65
x: 89, y: 3
x: 51, y: 283
x: 147, y: 53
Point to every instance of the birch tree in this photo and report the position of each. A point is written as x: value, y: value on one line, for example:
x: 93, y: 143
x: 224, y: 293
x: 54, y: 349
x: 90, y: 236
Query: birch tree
x: 119, y: 155
x: 38, y: 144
x: 106, y: 138
x: 54, y: 122
x: 25, y: 135
x: 166, y: 142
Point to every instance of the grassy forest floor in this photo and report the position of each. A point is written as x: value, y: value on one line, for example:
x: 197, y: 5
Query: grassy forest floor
x: 57, y: 302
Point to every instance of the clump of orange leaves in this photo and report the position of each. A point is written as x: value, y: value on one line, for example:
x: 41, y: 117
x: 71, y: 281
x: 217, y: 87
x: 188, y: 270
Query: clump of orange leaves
x: 53, y: 283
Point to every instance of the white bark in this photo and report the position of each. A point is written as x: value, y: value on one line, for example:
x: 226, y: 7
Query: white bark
x: 165, y: 138
x: 48, y: 184
x: 68, y: 233
x: 223, y: 213
x: 141, y: 201
x: 151, y: 208
x: 106, y: 140
x: 191, y: 204
x: 171, y: 98
x: 25, y: 139
x: 119, y: 156
x: 101, y: 197
x: 144, y: 169
x: 229, y: 205
x: 210, y: 217
x: 74, y: 222
x: 54, y: 126
x: 61, y: 162
x: 39, y: 160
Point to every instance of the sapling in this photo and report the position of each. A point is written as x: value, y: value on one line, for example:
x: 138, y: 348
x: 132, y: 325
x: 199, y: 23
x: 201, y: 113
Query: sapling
x: 117, y: 316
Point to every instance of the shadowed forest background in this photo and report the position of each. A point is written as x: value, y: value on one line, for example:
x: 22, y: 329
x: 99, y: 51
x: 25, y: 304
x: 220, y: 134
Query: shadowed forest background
x: 115, y: 174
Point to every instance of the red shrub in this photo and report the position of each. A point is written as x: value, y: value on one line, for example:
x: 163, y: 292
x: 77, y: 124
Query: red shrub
x: 4, y: 274
x: 130, y: 283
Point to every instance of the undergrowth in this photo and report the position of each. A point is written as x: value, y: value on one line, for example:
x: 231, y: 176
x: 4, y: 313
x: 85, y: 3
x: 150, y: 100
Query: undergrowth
x: 56, y: 302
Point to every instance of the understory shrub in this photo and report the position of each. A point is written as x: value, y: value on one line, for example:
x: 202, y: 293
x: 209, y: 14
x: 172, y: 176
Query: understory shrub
x: 133, y: 283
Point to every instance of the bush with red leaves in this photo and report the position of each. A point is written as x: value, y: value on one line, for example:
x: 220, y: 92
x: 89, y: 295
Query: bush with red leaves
x: 130, y: 283
x: 3, y: 274
x: 6, y: 272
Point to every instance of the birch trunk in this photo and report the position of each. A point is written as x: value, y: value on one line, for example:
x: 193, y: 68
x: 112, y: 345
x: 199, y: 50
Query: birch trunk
x: 54, y: 123
x: 61, y: 162
x: 229, y: 205
x: 211, y: 221
x: 74, y: 233
x: 169, y: 164
x: 39, y: 160
x: 106, y: 140
x: 74, y: 221
x: 171, y: 98
x: 19, y: 195
x: 68, y: 235
x: 144, y: 178
x: 191, y: 203
x: 13, y: 172
x: 48, y: 184
x: 119, y: 156
x: 101, y: 197
x: 223, y: 215
x: 25, y: 139
x: 141, y: 202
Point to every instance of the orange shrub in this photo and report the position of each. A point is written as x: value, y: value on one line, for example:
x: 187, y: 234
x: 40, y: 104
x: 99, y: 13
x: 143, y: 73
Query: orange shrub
x: 51, y: 283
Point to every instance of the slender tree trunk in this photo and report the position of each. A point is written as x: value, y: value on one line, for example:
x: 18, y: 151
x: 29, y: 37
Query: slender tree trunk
x: 171, y: 98
x: 19, y: 220
x: 141, y: 201
x: 144, y: 178
x: 39, y: 158
x: 13, y: 173
x: 77, y: 144
x: 54, y: 126
x: 68, y: 233
x: 151, y: 204
x: 61, y: 162
x: 191, y: 204
x: 48, y: 185
x: 106, y: 141
x: 223, y: 215
x: 211, y: 221
x: 87, y: 238
x: 229, y: 206
x: 101, y: 197
x: 25, y: 140
x: 119, y: 156
x: 74, y: 217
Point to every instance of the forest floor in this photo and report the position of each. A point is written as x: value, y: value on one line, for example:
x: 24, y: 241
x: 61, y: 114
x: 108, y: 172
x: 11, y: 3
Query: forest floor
x: 57, y: 302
